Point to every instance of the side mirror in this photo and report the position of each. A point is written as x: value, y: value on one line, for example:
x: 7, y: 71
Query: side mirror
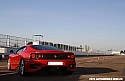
x: 11, y: 51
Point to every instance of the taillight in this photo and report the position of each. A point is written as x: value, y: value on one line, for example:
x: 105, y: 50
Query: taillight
x: 39, y: 56
x: 71, y: 56
x: 36, y: 56
x: 33, y: 56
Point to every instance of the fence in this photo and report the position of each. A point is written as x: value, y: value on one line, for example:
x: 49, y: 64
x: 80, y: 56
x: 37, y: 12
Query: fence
x: 13, y: 41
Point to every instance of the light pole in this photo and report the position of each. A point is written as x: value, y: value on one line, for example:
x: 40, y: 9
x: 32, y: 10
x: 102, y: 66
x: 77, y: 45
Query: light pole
x: 37, y: 35
x: 37, y: 42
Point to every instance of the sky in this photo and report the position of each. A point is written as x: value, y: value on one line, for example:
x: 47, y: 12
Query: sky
x: 99, y: 24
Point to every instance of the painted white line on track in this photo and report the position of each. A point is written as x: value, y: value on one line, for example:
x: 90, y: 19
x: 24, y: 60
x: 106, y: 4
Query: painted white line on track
x: 3, y: 66
x: 8, y: 73
x: 79, y: 62
x: 95, y: 60
x: 88, y: 61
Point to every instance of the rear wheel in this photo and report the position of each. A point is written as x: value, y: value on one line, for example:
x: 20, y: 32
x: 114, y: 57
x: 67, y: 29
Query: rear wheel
x: 8, y: 64
x: 22, y: 68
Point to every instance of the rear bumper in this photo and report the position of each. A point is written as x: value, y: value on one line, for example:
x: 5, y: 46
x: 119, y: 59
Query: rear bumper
x: 36, y: 65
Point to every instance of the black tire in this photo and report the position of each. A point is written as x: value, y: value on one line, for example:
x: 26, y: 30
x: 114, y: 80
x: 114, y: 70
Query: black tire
x: 8, y: 64
x: 22, y: 68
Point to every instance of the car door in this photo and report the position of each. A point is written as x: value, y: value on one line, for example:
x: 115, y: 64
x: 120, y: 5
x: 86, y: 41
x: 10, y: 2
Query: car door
x: 17, y: 56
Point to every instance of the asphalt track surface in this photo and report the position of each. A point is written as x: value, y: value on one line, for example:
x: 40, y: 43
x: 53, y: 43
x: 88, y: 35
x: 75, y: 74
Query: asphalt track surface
x: 87, y: 68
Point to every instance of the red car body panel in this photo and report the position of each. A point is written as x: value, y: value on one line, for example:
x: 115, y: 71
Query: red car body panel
x: 26, y: 55
x: 14, y: 61
x: 43, y: 63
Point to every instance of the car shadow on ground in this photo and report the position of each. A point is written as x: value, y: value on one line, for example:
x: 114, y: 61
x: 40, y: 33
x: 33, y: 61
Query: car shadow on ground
x: 83, y: 71
x: 76, y: 76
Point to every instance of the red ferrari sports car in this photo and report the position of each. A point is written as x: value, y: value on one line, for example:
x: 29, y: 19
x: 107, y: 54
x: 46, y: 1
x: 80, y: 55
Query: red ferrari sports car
x: 41, y: 58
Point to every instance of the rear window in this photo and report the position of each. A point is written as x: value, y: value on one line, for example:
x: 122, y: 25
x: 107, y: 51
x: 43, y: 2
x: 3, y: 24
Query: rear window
x: 40, y: 47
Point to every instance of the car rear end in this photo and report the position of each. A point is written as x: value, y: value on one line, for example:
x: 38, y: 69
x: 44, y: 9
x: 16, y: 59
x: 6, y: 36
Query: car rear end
x: 61, y: 62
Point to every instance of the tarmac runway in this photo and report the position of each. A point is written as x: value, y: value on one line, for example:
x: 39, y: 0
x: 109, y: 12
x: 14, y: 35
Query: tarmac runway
x: 101, y: 68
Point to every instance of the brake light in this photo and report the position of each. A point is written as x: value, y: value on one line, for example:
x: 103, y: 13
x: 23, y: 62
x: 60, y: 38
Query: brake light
x: 33, y: 56
x: 36, y: 56
x: 72, y: 56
